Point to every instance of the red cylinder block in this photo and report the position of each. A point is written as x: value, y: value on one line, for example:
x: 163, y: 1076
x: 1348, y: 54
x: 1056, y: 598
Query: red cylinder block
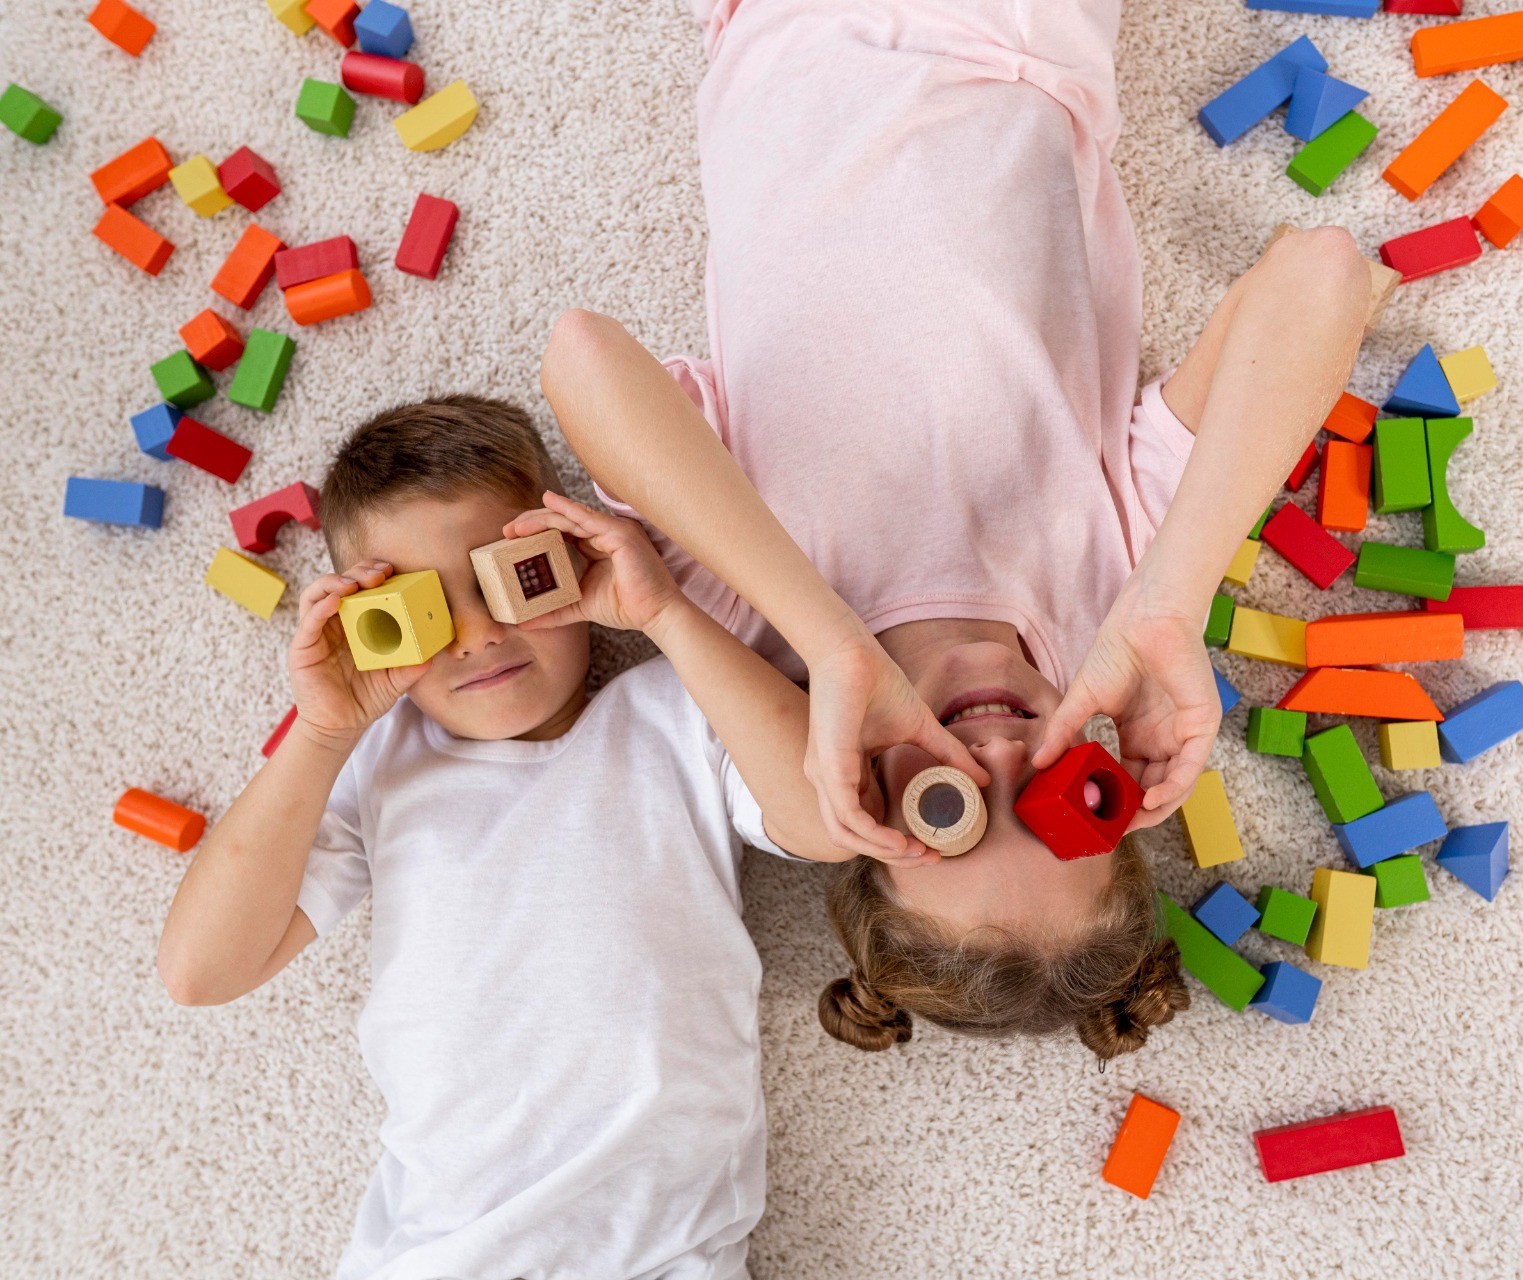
x: 380, y: 77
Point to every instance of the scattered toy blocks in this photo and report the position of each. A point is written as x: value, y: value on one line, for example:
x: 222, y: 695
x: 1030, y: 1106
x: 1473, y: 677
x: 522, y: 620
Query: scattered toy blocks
x: 153, y: 429
x: 1317, y: 165
x: 1226, y: 692
x: 1482, y: 721
x: 1273, y: 731
x: 256, y: 524
x: 1490, y: 608
x: 314, y: 261
x: 1399, y: 881
x: 1345, y: 787
x: 384, y: 28
x: 1456, y: 128
x: 210, y: 451
x: 262, y: 371
x: 1469, y: 45
x: 1377, y: 639
x: 1202, y: 954
x: 1501, y: 218
x: 114, y: 502
x: 133, y: 174
x: 1229, y: 115
x: 292, y: 14
x: 1225, y: 912
x: 1409, y: 744
x: 211, y: 340
x: 438, y: 120
x: 248, y: 178
x: 1052, y: 803
x: 1351, y: 418
x: 1402, y: 825
x: 1423, y: 391
x: 335, y: 18
x: 1340, y: 934
x: 1219, y: 621
x: 324, y: 107
x: 1333, y: 1142
x: 1361, y: 691
x: 328, y: 298
x: 244, y: 582
x: 430, y: 228
x: 26, y: 115
x: 1318, y: 102
x: 1432, y: 249
x: 400, y: 623
x: 133, y: 239
x: 1243, y: 560
x: 248, y: 268
x: 1289, y: 994
x: 1285, y: 915
x: 123, y: 25
x: 1444, y: 529
x: 1307, y: 545
x: 1141, y: 1143
x: 1401, y: 465
x: 1343, y: 488
x: 279, y: 736
x: 1478, y: 857
x: 159, y: 819
x: 1208, y: 824
x: 380, y: 77
x: 1269, y: 637
x: 198, y: 185
x: 181, y: 381
x: 1470, y: 374
x: 1410, y: 571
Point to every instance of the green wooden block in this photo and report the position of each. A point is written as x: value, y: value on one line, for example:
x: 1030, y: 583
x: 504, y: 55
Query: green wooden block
x: 181, y: 381
x: 325, y: 107
x: 1273, y: 732
x: 1399, y: 882
x: 1411, y: 571
x: 1231, y: 978
x: 1444, y: 529
x: 1263, y: 520
x: 1316, y: 165
x: 1285, y: 915
x: 1219, y: 620
x: 262, y: 369
x: 1339, y: 775
x: 26, y: 115
x: 1401, y: 465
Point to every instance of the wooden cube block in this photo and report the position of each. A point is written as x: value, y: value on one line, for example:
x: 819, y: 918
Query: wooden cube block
x: 1273, y: 731
x: 1501, y: 218
x: 1340, y: 934
x: 324, y: 107
x: 292, y: 14
x: 26, y: 115
x: 400, y: 623
x: 1470, y: 374
x: 211, y: 340
x: 1207, y: 820
x: 1399, y: 881
x: 1409, y: 744
x: 262, y: 371
x: 1352, y: 419
x: 249, y: 179
x: 244, y: 582
x: 123, y: 25
x: 1289, y: 994
x: 1053, y: 804
x: 1143, y: 1140
x: 197, y: 182
x: 1285, y: 915
x: 181, y: 381
x: 522, y: 578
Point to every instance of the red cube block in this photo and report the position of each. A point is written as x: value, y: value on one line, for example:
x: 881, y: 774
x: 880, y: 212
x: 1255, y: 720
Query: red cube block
x: 429, y: 232
x: 249, y: 178
x: 1433, y: 249
x: 196, y: 443
x: 1053, y: 803
x: 211, y: 340
x: 314, y: 261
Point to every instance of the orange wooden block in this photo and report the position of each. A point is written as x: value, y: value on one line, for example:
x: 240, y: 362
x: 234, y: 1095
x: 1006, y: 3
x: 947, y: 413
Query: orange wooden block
x: 327, y: 297
x: 1352, y: 418
x: 242, y: 278
x: 123, y: 25
x: 1451, y: 134
x: 1146, y: 1131
x: 1343, y: 489
x: 1369, y: 639
x: 134, y: 173
x: 159, y: 819
x: 1501, y: 217
x: 1464, y: 46
x: 211, y: 340
x: 135, y: 240
x: 1338, y: 691
x: 335, y: 17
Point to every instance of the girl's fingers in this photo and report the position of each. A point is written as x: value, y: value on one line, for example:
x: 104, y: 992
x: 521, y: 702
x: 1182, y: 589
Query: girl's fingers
x: 1072, y: 715
x: 949, y: 749
x: 1182, y: 775
x: 562, y: 617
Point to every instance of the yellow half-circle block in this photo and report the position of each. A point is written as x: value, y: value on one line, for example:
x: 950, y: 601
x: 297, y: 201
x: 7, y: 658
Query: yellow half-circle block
x: 400, y: 623
x: 245, y: 581
x: 438, y: 120
x: 199, y: 186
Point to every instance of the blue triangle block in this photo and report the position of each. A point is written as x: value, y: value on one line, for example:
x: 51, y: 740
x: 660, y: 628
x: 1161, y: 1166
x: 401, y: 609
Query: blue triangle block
x: 1423, y: 391
x: 1319, y: 101
x: 1230, y: 697
x: 1478, y: 856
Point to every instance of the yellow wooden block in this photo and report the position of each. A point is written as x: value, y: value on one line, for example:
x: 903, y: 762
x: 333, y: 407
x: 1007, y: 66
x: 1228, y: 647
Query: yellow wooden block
x: 1269, y: 637
x: 1340, y: 933
x: 293, y: 14
x: 1410, y: 744
x: 400, y: 623
x: 1241, y: 568
x: 1208, y: 824
x: 197, y: 182
x: 438, y: 120
x: 1470, y: 374
x: 246, y: 582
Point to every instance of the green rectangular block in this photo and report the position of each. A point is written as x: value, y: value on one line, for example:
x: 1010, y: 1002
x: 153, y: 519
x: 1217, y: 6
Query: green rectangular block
x: 325, y: 107
x: 26, y: 115
x: 1401, y: 465
x: 1444, y: 529
x: 1285, y: 915
x: 1340, y: 776
x: 1263, y: 520
x: 1231, y: 978
x: 181, y: 381
x: 1399, y: 882
x: 1316, y: 165
x: 262, y: 369
x: 1411, y: 571
x: 1273, y: 732
x: 1219, y: 620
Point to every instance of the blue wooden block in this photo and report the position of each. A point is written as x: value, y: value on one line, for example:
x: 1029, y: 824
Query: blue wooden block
x: 1319, y: 101
x: 1289, y: 994
x: 1404, y: 823
x: 1230, y: 697
x: 1331, y: 8
x: 114, y: 502
x: 1225, y: 912
x: 1234, y: 111
x: 1423, y: 391
x: 1478, y: 856
x: 384, y: 28
x: 1481, y: 722
x: 153, y: 427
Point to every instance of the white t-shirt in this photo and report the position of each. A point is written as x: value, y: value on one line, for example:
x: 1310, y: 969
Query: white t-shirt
x: 563, y: 1010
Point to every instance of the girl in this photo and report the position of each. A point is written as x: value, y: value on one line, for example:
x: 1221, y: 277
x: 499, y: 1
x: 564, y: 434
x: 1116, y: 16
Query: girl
x: 920, y: 480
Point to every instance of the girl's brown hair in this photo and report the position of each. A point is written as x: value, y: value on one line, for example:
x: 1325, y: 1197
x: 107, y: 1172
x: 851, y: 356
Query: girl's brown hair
x: 1112, y: 983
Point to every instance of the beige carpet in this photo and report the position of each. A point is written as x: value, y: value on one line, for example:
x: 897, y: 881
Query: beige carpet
x: 141, y: 1140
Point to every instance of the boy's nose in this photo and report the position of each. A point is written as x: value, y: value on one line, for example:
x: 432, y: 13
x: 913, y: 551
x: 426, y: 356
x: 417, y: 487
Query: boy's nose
x: 475, y: 629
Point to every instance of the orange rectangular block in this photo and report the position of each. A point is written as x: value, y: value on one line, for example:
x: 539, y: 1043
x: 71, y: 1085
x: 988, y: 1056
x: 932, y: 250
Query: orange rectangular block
x: 134, y: 173
x: 1385, y: 695
x: 242, y: 278
x: 1464, y: 46
x: 1343, y: 490
x: 1372, y: 639
x: 335, y: 17
x: 1501, y: 217
x: 328, y: 297
x: 123, y: 25
x: 1143, y: 1140
x: 1451, y: 134
x: 1352, y: 418
x: 135, y: 240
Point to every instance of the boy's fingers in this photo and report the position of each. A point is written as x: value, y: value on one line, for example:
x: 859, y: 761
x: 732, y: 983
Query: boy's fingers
x: 320, y: 589
x: 313, y: 618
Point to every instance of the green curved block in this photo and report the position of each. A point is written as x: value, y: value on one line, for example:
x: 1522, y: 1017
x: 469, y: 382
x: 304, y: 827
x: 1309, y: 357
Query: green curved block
x: 1444, y: 529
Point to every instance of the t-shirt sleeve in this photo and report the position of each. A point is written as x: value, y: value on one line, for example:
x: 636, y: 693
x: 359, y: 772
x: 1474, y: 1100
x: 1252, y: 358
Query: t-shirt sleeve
x: 338, y: 873
x: 744, y: 812
x: 1160, y: 448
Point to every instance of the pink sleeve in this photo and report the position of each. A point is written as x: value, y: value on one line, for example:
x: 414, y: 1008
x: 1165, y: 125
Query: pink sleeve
x: 1160, y: 448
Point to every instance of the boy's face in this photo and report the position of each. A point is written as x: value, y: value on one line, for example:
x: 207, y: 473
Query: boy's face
x: 494, y: 681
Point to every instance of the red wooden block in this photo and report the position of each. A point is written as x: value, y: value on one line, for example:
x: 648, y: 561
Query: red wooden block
x: 1493, y: 608
x: 1360, y: 691
x: 1442, y: 8
x: 134, y: 239
x: 211, y: 340
x: 1304, y: 468
x: 123, y: 25
x: 1332, y: 1142
x: 1052, y: 804
x: 1501, y: 218
x: 1307, y: 545
x: 249, y: 178
x: 1352, y: 418
x: 335, y: 17
x: 196, y: 443
x: 428, y: 235
x: 279, y: 736
x: 133, y: 174
x: 381, y: 77
x: 242, y: 278
x: 1433, y: 249
x: 314, y: 261
x: 256, y: 524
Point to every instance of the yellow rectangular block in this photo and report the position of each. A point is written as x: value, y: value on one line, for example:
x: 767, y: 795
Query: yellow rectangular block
x: 1243, y: 560
x: 1269, y: 637
x: 1410, y: 744
x: 1470, y: 373
x: 245, y: 582
x: 1207, y: 820
x: 400, y: 623
x: 293, y: 14
x: 1340, y: 933
x: 197, y: 182
x: 438, y: 120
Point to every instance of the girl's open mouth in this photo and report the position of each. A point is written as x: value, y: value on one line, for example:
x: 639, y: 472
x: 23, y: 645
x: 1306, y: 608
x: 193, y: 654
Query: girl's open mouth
x: 985, y: 702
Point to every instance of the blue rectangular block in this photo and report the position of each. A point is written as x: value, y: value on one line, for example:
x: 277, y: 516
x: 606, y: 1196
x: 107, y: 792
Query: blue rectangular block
x: 1225, y: 912
x: 384, y: 28
x: 1477, y: 856
x: 1330, y: 8
x: 1404, y: 823
x: 1234, y: 111
x: 1230, y: 697
x: 1289, y: 994
x: 1482, y: 722
x: 114, y: 502
x: 153, y: 428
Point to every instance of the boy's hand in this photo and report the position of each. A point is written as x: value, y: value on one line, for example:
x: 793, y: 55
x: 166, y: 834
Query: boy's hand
x: 333, y: 700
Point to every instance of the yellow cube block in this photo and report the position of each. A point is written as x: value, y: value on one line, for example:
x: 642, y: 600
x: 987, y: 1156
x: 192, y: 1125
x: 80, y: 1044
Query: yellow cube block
x: 245, y: 581
x: 1410, y: 744
x: 1208, y: 824
x: 197, y: 182
x: 400, y: 623
x: 293, y: 14
x: 1470, y: 374
x: 438, y: 120
x: 1340, y: 933
x: 1269, y: 637
x: 1241, y: 568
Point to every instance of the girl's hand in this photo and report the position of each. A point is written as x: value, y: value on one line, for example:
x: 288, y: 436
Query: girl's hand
x: 334, y: 701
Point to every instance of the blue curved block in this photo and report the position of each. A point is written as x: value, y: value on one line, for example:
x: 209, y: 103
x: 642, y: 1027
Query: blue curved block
x: 1230, y: 697
x: 1403, y: 824
x: 1422, y: 391
x: 1478, y: 856
x: 114, y: 502
x: 153, y: 428
x: 384, y: 28
x: 1234, y: 111
x: 1289, y: 994
x: 1481, y: 722
x: 1319, y: 101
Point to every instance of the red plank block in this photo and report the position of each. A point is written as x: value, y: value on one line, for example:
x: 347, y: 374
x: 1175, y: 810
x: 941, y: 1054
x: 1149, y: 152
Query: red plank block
x: 1352, y: 418
x: 1340, y: 691
x: 249, y: 178
x: 429, y: 232
x: 256, y: 524
x: 133, y: 174
x: 1439, y: 8
x: 279, y: 736
x: 1332, y: 1142
x: 1053, y: 804
x: 314, y: 261
x: 1302, y: 469
x: 1433, y: 249
x: 196, y: 443
x: 370, y: 73
x: 211, y: 340
x: 1306, y: 545
x: 1491, y: 608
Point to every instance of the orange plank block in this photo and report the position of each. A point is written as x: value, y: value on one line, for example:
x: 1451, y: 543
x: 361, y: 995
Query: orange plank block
x: 1352, y: 418
x: 1343, y: 490
x: 1501, y: 217
x: 159, y: 819
x: 1464, y: 46
x: 242, y: 278
x: 1371, y: 639
x: 1143, y: 1140
x: 123, y: 25
x: 328, y: 296
x: 1385, y: 695
x: 133, y: 174
x: 135, y: 240
x: 1452, y: 133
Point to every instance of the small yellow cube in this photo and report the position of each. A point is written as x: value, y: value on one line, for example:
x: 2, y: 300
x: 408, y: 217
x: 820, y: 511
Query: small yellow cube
x: 197, y: 182
x: 1409, y: 744
x: 1209, y: 827
x: 1269, y: 637
x: 1241, y: 568
x: 1340, y: 933
x: 400, y: 623
x: 438, y: 120
x: 293, y: 14
x: 245, y: 581
x: 1470, y: 374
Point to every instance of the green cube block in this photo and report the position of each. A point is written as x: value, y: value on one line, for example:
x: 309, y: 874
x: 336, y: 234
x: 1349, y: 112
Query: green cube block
x: 1231, y: 978
x: 182, y: 382
x: 1401, y: 465
x: 1219, y: 620
x: 325, y: 107
x: 1339, y: 775
x: 1263, y: 520
x: 261, y: 369
x: 1285, y: 915
x: 26, y: 115
x: 1399, y: 882
x: 1444, y: 529
x: 1316, y: 165
x: 1412, y: 571
x: 1273, y: 732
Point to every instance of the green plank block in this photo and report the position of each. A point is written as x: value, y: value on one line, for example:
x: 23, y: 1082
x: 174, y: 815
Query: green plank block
x: 1233, y: 980
x: 1411, y: 571
x: 262, y: 369
x: 1444, y: 529
x: 1219, y: 620
x: 1399, y: 882
x: 1316, y: 165
x: 1285, y: 915
x: 1401, y: 465
x: 181, y: 381
x: 1263, y: 520
x: 1339, y: 775
x: 1273, y: 732
x: 26, y: 115
x: 325, y: 107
